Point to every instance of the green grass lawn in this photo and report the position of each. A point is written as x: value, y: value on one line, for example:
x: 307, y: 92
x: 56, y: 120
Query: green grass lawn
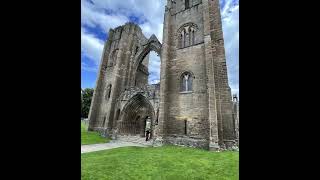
x: 167, y: 162
x: 90, y: 137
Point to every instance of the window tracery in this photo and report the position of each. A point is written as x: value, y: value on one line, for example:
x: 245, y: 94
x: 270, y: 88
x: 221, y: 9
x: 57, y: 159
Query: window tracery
x: 187, y: 35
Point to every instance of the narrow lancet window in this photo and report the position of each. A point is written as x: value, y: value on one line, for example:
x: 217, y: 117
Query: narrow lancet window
x: 186, y: 82
x: 187, y: 4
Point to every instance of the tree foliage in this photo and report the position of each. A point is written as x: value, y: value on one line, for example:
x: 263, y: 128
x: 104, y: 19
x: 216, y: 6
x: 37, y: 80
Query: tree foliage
x: 86, y: 97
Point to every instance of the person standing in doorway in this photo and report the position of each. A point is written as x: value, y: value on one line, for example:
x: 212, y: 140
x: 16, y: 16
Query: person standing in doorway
x: 148, y: 128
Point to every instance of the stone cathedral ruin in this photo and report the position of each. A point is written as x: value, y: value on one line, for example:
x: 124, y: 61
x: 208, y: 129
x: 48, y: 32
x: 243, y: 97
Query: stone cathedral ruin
x: 192, y: 105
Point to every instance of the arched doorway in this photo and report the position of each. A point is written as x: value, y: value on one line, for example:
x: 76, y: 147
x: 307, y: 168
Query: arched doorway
x: 134, y: 116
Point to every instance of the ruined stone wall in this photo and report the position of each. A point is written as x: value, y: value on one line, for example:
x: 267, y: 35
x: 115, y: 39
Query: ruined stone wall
x: 115, y: 68
x: 127, y: 100
x: 193, y: 46
x: 150, y: 92
x: 142, y: 76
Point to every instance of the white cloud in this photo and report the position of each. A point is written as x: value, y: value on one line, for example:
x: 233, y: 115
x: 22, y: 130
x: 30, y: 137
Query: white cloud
x: 148, y: 29
x: 85, y: 67
x: 154, y: 81
x: 150, y: 12
x: 106, y: 14
x: 94, y: 16
x: 230, y: 25
x: 154, y: 68
x: 91, y: 46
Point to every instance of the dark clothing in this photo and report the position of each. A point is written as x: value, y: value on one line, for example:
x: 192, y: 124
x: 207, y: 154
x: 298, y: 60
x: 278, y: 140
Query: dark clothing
x: 147, y: 135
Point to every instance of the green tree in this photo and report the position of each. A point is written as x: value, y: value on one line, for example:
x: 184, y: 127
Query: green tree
x: 86, y: 97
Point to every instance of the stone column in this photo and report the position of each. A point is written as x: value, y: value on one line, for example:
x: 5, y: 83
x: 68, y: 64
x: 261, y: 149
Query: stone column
x: 213, y: 121
x: 163, y: 106
x: 223, y: 91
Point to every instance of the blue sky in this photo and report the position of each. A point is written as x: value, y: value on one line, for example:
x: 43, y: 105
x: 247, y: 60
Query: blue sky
x: 98, y: 16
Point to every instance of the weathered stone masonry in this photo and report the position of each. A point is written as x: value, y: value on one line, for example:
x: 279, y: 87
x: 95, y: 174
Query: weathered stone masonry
x: 192, y: 105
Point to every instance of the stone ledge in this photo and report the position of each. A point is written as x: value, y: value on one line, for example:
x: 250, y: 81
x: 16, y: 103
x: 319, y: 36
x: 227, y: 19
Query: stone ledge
x: 186, y: 92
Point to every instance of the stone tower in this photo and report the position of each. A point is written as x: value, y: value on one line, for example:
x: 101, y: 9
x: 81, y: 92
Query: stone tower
x: 192, y: 106
x: 193, y: 53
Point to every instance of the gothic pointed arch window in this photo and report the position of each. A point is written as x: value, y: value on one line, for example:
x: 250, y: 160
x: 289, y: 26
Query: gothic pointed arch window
x: 192, y: 38
x: 186, y: 4
x: 186, y: 82
x: 186, y: 35
x: 181, y: 39
x: 108, y: 91
x: 117, y: 115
